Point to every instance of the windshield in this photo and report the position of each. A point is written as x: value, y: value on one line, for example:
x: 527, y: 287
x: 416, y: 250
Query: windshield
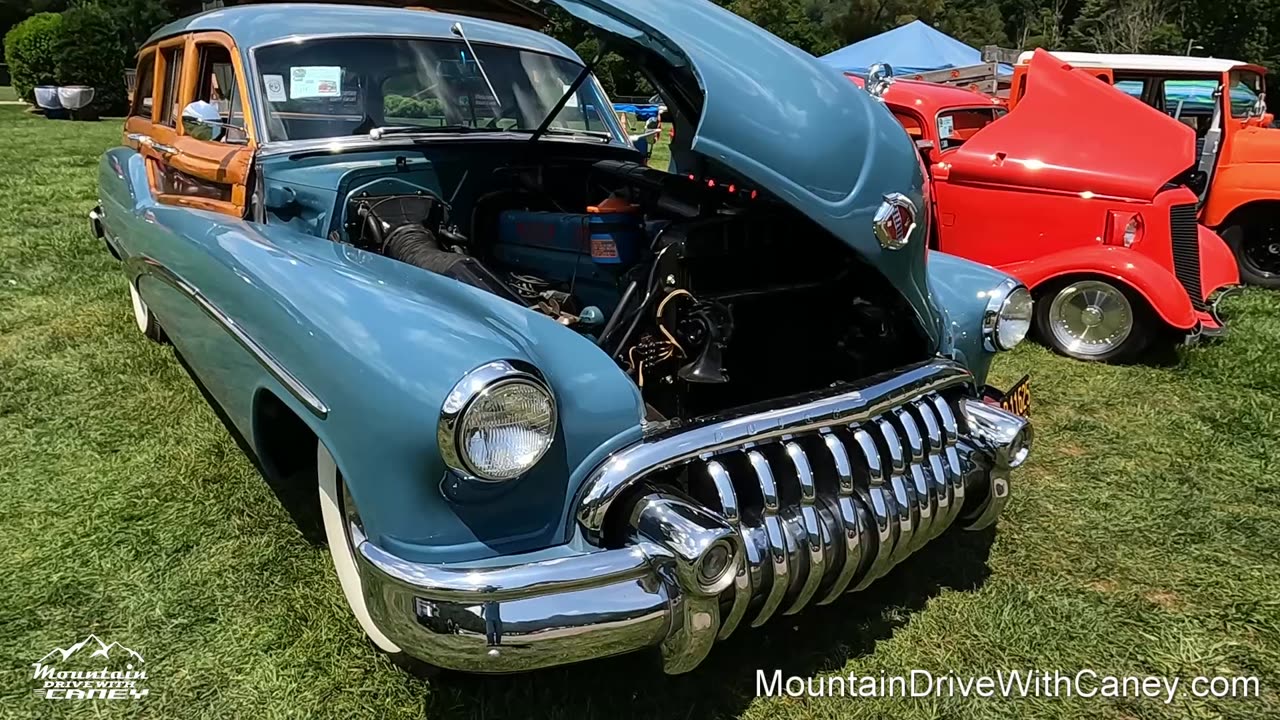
x: 328, y: 88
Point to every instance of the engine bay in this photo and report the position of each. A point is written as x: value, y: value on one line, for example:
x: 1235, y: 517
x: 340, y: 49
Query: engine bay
x: 709, y: 295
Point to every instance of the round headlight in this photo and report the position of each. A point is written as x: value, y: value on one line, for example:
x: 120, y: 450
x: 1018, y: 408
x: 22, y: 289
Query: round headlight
x: 497, y: 423
x: 1009, y: 314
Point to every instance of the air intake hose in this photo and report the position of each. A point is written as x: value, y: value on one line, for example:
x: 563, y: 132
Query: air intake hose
x: 414, y: 244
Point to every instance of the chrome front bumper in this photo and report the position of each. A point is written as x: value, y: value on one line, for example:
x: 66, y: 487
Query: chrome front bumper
x: 703, y: 529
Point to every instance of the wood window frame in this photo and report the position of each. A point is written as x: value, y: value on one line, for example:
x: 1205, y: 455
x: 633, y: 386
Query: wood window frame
x: 209, y: 161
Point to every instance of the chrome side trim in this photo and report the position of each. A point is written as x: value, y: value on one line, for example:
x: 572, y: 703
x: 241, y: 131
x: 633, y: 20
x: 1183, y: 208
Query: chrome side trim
x: 138, y: 266
x: 621, y: 470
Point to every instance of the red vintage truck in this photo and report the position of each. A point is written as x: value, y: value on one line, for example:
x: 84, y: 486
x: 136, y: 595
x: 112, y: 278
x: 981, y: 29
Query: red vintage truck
x: 1224, y: 102
x: 1099, y: 224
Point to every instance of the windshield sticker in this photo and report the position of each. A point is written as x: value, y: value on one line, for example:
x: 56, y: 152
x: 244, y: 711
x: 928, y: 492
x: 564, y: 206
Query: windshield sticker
x: 573, y: 99
x: 946, y: 126
x: 315, y: 81
x: 275, y: 88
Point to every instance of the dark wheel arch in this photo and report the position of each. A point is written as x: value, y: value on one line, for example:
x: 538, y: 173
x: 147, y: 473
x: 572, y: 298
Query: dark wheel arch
x: 1248, y: 230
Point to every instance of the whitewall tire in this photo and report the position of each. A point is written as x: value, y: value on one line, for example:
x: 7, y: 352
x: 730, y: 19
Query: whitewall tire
x: 337, y: 532
x: 143, y: 317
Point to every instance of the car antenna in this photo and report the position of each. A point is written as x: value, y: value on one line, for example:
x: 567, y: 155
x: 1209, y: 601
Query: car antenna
x: 457, y: 30
x: 568, y: 93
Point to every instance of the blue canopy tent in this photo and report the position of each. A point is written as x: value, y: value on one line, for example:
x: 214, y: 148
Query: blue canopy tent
x: 912, y: 48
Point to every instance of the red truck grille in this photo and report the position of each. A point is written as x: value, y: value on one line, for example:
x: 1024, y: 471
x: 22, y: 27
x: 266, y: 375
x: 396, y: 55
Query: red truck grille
x: 1186, y: 252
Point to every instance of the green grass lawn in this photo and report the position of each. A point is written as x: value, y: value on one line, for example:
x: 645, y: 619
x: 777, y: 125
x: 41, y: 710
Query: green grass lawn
x: 1143, y: 538
x: 7, y: 93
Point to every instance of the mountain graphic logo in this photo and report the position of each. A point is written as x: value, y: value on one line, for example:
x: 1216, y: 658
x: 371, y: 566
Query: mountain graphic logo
x: 99, y: 649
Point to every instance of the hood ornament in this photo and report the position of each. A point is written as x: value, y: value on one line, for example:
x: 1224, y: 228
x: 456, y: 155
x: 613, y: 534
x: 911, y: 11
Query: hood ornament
x: 895, y: 221
x: 879, y: 78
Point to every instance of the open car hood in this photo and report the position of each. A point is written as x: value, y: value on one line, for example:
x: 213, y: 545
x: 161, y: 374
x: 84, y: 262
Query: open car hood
x: 1074, y: 133
x: 776, y: 117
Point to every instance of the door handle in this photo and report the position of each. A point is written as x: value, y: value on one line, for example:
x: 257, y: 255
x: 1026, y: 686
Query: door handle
x: 150, y: 142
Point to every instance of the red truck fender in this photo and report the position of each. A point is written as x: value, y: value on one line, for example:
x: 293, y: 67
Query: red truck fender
x: 1157, y: 285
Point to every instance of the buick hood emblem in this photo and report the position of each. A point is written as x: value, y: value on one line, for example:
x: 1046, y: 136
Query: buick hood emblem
x: 894, y: 221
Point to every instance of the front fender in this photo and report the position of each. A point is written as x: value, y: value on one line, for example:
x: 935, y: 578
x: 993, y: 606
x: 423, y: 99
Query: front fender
x: 1218, y: 267
x: 1151, y: 280
x: 960, y: 288
x: 381, y: 343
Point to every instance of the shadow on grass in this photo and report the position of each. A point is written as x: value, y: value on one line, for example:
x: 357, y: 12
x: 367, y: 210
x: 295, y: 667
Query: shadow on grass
x: 818, y: 640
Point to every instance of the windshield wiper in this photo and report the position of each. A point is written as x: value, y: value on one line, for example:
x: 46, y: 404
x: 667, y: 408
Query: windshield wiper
x: 569, y: 92
x: 380, y: 132
x: 570, y: 132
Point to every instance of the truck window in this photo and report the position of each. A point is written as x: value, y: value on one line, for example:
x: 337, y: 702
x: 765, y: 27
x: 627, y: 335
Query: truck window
x: 1132, y: 88
x: 957, y: 126
x: 1245, y: 87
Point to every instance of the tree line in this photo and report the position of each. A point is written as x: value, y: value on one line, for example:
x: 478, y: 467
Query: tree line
x: 1241, y: 29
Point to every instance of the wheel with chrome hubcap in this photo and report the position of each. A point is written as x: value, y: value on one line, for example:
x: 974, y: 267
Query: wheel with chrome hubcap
x: 341, y: 528
x: 1092, y: 320
x: 143, y: 318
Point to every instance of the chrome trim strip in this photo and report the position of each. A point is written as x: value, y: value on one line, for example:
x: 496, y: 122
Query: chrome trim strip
x: 813, y: 539
x: 780, y: 543
x: 925, y: 493
x: 904, y: 495
x: 937, y: 473
x: 884, y: 510
x: 852, y: 521
x: 742, y: 588
x: 140, y: 265
x: 621, y: 470
x: 950, y: 434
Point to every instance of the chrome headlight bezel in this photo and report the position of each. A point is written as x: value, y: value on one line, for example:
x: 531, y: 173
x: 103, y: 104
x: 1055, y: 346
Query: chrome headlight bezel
x: 480, y: 383
x: 998, y: 303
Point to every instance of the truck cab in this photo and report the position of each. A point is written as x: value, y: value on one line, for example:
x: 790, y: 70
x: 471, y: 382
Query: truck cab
x: 1224, y: 102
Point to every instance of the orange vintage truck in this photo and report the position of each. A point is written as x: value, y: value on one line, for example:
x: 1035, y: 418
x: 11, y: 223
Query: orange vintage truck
x: 1224, y: 101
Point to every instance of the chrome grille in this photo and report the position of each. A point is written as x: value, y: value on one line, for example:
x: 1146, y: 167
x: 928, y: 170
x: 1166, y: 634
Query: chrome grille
x: 1186, y: 252
x: 830, y: 509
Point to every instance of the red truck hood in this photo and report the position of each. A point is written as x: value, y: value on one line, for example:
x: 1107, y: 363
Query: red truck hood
x: 1073, y: 133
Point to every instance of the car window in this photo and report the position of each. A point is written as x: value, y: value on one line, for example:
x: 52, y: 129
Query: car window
x: 910, y: 123
x: 957, y: 126
x: 171, y: 90
x: 216, y: 84
x: 144, y: 83
x: 332, y: 87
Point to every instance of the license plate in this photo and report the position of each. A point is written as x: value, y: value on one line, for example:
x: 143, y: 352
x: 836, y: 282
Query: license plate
x: 1017, y: 399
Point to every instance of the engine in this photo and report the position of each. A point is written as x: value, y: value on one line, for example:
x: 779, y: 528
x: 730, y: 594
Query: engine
x: 711, y: 298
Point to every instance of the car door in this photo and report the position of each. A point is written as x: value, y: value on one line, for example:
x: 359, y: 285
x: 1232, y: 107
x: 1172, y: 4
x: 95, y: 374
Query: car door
x: 191, y: 214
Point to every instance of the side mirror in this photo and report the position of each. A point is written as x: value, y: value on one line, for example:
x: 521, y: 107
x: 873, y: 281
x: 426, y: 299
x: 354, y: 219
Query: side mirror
x: 641, y: 141
x: 1259, y: 108
x: 202, y: 121
x: 879, y: 78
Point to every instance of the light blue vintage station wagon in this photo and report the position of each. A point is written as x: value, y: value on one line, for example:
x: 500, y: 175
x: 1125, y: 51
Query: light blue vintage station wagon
x: 556, y: 404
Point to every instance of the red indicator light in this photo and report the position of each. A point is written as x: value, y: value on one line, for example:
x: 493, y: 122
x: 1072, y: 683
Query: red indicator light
x: 691, y: 177
x: 733, y: 189
x: 711, y: 183
x: 753, y: 194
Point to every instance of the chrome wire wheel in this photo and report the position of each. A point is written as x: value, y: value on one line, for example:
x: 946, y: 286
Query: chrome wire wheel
x: 1090, y: 318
